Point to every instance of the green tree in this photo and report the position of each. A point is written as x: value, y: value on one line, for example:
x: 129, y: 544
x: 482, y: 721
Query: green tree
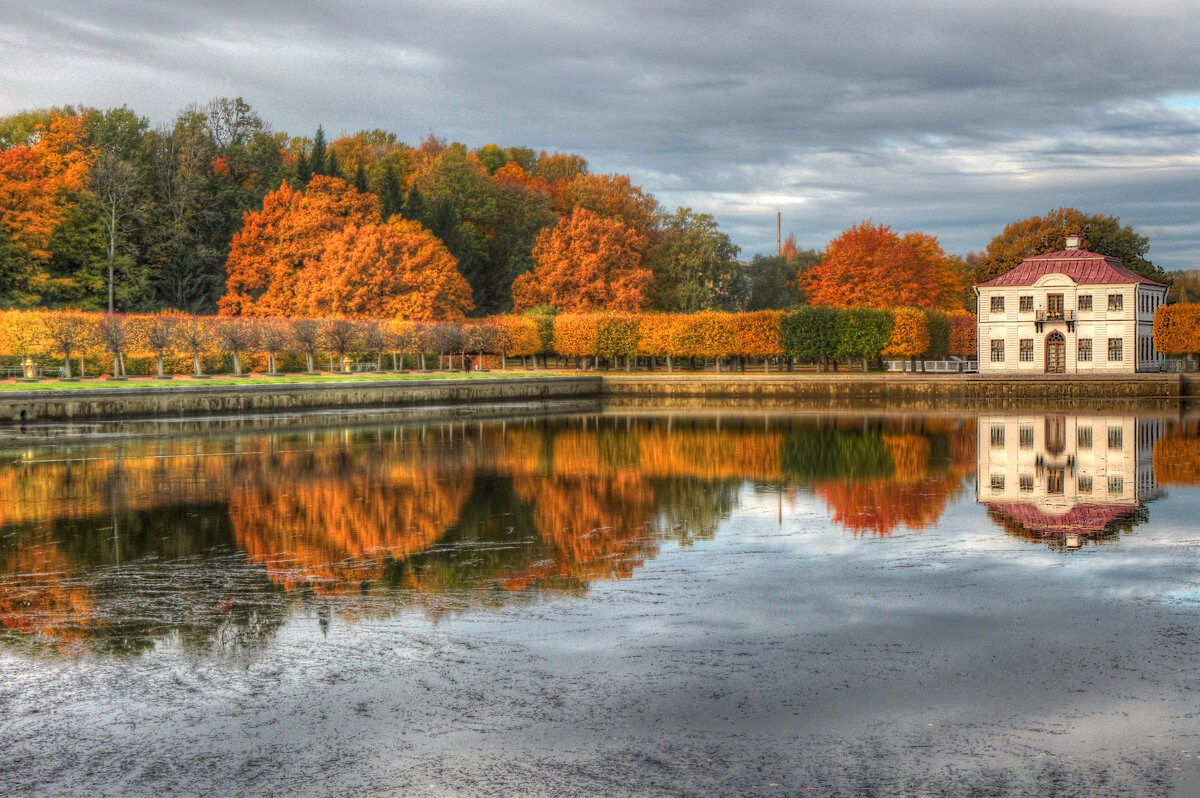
x: 1038, y: 235
x: 863, y: 333
x: 317, y: 153
x: 810, y: 333
x: 695, y: 266
x: 771, y: 280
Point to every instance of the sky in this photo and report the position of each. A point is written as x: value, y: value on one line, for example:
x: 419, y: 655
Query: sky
x: 948, y: 118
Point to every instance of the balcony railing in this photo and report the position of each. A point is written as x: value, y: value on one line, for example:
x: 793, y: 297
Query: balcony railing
x: 1054, y: 315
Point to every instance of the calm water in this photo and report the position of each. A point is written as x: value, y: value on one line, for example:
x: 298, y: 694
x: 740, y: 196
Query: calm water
x: 606, y: 605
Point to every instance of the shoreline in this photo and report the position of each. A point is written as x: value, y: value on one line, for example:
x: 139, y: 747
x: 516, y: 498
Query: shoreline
x: 160, y: 400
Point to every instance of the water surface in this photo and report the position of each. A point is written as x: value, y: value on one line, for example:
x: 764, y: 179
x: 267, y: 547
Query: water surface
x: 608, y: 604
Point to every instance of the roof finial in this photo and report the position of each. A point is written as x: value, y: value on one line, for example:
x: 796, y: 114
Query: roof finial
x: 1072, y: 242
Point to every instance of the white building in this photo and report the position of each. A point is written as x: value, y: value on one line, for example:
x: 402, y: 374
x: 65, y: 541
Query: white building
x: 1066, y: 479
x: 1068, y: 312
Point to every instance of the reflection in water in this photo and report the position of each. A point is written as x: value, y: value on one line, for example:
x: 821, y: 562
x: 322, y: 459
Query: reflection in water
x: 1067, y: 480
x: 215, y: 542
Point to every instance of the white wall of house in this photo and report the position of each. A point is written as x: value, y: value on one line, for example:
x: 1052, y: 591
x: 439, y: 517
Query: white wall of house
x: 1099, y: 460
x: 1132, y: 324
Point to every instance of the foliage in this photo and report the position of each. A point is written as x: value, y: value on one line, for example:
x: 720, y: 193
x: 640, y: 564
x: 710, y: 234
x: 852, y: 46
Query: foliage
x: 871, y: 266
x: 1038, y: 235
x: 396, y: 269
x: 1177, y: 329
x: 585, y: 263
x: 963, y: 331
x: 910, y: 334
x: 695, y: 266
x: 863, y: 332
x: 810, y: 333
x: 772, y: 282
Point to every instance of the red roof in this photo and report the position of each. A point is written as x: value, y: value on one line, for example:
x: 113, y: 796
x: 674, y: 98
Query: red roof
x: 1085, y: 268
x: 1082, y: 519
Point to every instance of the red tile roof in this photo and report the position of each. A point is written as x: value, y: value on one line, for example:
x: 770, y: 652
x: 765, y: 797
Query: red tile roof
x: 1085, y: 268
x: 1082, y: 519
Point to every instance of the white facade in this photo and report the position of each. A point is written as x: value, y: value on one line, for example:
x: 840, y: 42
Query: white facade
x: 1065, y: 476
x: 1058, y: 325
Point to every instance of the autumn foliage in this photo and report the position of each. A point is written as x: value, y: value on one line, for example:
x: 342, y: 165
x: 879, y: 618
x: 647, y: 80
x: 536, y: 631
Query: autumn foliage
x: 325, y: 251
x: 872, y: 266
x: 586, y: 262
x: 1177, y: 329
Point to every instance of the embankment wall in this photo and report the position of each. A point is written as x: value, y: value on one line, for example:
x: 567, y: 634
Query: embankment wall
x: 878, y: 390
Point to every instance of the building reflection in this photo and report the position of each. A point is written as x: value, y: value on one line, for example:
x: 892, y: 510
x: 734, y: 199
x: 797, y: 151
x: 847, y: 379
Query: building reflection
x: 1067, y: 480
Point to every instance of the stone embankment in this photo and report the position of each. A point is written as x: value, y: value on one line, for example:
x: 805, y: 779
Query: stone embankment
x: 527, y: 392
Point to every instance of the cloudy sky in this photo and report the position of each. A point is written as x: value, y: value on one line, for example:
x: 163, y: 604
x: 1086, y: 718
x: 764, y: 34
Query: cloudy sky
x: 952, y: 118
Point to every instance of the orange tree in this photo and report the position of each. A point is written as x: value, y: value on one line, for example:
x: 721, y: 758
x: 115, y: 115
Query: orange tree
x: 519, y: 337
x: 586, y: 263
x: 963, y: 330
x: 269, y: 254
x: 910, y: 334
x: 1177, y: 329
x: 37, y: 177
x: 757, y: 334
x: 576, y: 335
x: 398, y: 269
x: 658, y: 337
x: 67, y: 330
x: 872, y: 266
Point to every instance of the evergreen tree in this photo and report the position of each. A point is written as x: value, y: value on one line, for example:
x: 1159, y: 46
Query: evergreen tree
x: 360, y: 179
x: 391, y: 193
x: 332, y: 167
x: 414, y: 207
x: 304, y: 170
x: 316, y: 158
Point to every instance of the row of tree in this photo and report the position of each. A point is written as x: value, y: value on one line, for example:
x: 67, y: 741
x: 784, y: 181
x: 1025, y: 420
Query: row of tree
x: 96, y: 203
x: 177, y: 342
x: 98, y: 210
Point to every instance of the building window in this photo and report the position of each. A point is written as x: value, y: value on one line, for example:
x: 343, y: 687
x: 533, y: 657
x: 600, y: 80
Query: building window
x: 997, y: 350
x: 1116, y: 302
x: 1026, y: 350
x: 997, y: 304
x: 1026, y: 437
x: 1085, y: 350
x: 1084, y: 436
x: 1085, y: 484
x: 1116, y: 485
x: 997, y: 482
x: 1116, y: 438
x: 1054, y: 481
x: 1026, y: 483
x: 1026, y: 304
x: 1054, y: 306
x: 1116, y: 349
x: 1085, y: 302
x: 997, y: 436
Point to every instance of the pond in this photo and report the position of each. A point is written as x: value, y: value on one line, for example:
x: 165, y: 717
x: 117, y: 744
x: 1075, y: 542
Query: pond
x: 612, y: 603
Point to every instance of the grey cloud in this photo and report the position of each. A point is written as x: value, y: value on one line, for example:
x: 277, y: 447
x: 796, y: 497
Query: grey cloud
x: 953, y: 120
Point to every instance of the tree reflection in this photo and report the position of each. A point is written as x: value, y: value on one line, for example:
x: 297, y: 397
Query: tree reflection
x: 213, y: 542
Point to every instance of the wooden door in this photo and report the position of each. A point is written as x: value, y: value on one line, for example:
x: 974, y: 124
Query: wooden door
x: 1056, y: 353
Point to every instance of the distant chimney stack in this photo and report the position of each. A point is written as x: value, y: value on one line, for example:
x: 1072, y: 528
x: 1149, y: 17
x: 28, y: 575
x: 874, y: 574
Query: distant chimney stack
x: 1072, y: 242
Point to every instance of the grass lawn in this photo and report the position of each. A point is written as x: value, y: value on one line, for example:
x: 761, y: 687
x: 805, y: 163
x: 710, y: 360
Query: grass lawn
x: 135, y: 383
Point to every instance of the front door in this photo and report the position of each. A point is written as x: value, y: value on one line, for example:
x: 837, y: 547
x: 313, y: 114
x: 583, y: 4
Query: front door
x: 1056, y: 353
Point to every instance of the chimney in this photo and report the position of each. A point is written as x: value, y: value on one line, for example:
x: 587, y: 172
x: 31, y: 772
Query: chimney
x: 1072, y: 242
